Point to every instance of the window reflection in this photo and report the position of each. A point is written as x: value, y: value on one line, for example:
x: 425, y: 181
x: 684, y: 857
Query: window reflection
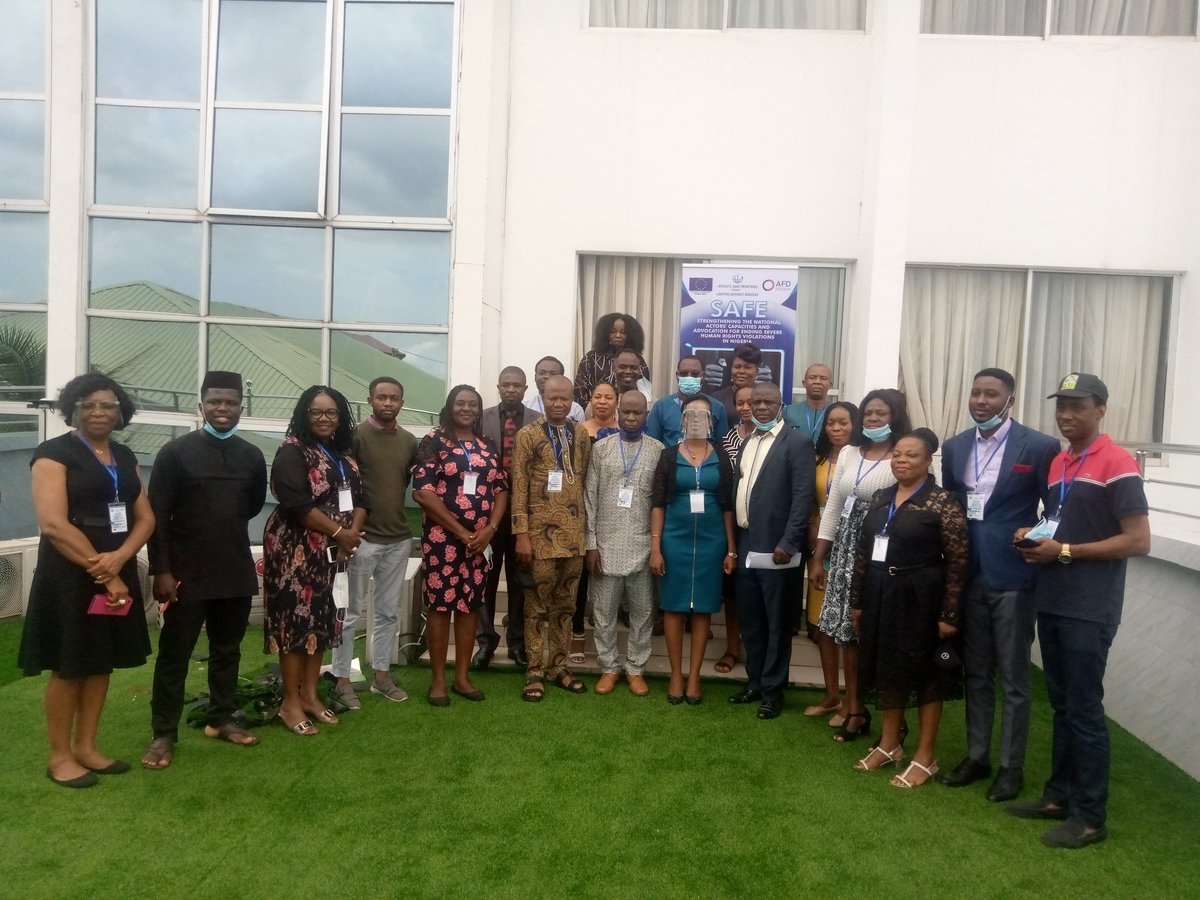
x: 266, y: 159
x: 398, y: 54
x: 22, y: 356
x: 22, y: 149
x: 417, y: 361
x: 147, y: 157
x: 394, y: 165
x: 148, y: 49
x: 277, y: 364
x: 23, y: 46
x: 18, y: 439
x: 125, y: 276
x: 24, y: 261
x: 271, y: 52
x: 156, y: 361
x: 265, y: 270
x: 268, y: 444
x: 391, y: 276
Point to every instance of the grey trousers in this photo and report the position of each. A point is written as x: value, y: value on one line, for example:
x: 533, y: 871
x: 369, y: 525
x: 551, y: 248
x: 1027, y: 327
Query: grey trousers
x: 997, y: 635
x: 387, y: 564
x: 606, y: 593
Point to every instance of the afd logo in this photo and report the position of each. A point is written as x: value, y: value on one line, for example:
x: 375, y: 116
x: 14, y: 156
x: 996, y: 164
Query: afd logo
x: 770, y: 285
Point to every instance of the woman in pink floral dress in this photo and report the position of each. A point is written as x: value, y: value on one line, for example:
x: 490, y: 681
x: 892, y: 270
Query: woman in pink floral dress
x: 463, y: 493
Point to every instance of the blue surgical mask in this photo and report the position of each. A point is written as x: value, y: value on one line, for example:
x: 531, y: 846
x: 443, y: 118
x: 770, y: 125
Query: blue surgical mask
x: 763, y: 426
x: 878, y: 435
x: 993, y: 422
x: 220, y: 435
x: 689, y: 385
x: 633, y: 435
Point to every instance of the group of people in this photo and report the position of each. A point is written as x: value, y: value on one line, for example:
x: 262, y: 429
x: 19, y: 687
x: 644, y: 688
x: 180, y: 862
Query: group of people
x: 676, y: 505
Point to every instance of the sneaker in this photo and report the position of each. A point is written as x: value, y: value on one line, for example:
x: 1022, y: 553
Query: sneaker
x: 389, y: 689
x: 347, y: 696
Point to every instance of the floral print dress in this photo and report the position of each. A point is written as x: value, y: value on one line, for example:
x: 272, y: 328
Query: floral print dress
x: 454, y: 578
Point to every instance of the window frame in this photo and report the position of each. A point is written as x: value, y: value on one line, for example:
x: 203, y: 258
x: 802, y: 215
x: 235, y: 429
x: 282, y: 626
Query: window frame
x: 1048, y: 32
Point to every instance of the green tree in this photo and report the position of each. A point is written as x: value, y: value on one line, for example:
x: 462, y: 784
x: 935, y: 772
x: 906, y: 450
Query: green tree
x: 22, y: 362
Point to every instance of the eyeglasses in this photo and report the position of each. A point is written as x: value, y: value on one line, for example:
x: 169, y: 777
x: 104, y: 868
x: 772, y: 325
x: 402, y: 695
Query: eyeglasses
x: 107, y: 406
x: 317, y: 414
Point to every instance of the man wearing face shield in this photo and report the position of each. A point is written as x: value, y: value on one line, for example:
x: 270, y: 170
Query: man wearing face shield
x: 665, y: 421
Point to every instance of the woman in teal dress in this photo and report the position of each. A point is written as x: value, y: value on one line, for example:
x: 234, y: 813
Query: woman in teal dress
x: 691, y: 541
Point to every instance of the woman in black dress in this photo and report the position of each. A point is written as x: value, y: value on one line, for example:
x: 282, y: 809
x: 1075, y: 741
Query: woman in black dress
x: 462, y: 490
x: 909, y: 577
x: 316, y: 481
x: 85, y: 614
x: 614, y: 332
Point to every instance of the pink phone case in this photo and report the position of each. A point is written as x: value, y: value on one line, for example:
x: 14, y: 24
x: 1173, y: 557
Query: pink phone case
x: 99, y: 607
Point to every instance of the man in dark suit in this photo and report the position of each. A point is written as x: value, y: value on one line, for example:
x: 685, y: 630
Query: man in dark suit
x: 998, y: 470
x: 773, y: 496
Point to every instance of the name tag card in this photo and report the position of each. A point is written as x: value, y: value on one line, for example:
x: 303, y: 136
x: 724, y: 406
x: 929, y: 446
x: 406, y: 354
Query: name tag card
x: 345, y: 500
x: 879, y: 551
x: 554, y: 482
x: 848, y: 507
x: 470, y: 482
x: 625, y: 498
x: 975, y: 506
x: 697, y: 499
x: 118, y: 518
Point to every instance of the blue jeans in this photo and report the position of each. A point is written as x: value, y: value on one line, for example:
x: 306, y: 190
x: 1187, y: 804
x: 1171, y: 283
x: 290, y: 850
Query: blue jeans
x: 1074, y: 656
x: 387, y: 564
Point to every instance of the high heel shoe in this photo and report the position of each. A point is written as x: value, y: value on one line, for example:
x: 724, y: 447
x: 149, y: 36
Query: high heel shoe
x: 894, y: 758
x: 846, y: 734
x: 674, y: 699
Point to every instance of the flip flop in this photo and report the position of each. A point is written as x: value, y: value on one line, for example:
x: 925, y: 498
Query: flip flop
x: 228, y: 731
x: 158, y: 755
x: 305, y: 728
x: 725, y: 667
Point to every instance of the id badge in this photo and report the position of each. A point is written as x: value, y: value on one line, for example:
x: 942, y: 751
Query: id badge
x: 1043, y: 529
x: 975, y: 506
x: 470, y: 482
x: 625, y: 498
x: 345, y: 500
x: 848, y: 507
x: 697, y: 499
x: 118, y: 518
x: 554, y: 482
x: 879, y: 551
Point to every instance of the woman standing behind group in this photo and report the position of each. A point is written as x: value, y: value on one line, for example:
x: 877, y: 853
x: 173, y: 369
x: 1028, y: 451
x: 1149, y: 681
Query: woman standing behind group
x: 861, y: 471
x: 317, y: 484
x: 614, y: 332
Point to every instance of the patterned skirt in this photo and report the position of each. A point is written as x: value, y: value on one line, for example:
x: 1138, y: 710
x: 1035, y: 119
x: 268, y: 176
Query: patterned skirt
x: 835, y: 618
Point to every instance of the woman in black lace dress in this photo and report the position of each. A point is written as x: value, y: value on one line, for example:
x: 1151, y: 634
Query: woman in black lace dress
x: 909, y: 577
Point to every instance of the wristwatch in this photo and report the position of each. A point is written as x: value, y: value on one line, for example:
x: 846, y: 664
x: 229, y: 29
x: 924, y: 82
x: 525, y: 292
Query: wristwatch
x: 1064, y: 555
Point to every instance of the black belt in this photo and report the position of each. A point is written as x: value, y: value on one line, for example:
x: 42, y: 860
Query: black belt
x: 905, y: 570
x: 89, y: 522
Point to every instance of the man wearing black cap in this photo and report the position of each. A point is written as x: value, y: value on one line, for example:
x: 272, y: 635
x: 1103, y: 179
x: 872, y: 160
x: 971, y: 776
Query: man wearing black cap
x: 205, y: 489
x: 1095, y: 518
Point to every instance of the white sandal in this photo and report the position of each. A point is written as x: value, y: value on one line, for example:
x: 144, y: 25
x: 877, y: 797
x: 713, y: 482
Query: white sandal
x: 892, y: 759
x: 901, y: 781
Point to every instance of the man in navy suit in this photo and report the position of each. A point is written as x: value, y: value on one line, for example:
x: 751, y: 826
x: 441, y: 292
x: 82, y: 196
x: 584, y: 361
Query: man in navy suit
x: 773, y: 497
x: 998, y: 470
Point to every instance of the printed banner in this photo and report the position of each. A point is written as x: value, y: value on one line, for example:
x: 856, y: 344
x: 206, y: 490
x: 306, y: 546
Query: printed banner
x: 723, y: 306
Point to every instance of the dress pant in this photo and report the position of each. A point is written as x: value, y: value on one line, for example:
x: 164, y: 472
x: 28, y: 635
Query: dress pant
x: 549, y: 606
x: 225, y: 621
x: 1074, y: 656
x: 387, y: 564
x: 607, y: 592
x: 765, y: 603
x: 997, y: 634
x: 504, y: 549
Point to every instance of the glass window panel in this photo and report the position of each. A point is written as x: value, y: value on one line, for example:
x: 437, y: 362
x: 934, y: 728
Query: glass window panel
x: 266, y: 159
x: 262, y: 270
x: 823, y: 14
x: 23, y: 46
x: 417, y: 361
x: 25, y: 258
x: 277, y: 364
x: 995, y: 17
x: 391, y: 276
x: 146, y: 440
x: 22, y: 356
x: 268, y: 443
x: 271, y: 52
x: 156, y: 361
x: 18, y: 439
x: 1124, y: 17
x: 147, y: 157
x: 656, y: 13
x: 398, y: 54
x: 23, y: 149
x: 125, y: 276
x: 148, y: 49
x: 395, y: 165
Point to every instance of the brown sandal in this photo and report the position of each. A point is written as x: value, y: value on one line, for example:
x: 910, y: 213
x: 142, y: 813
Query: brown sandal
x: 534, y: 690
x: 725, y: 664
x: 229, y: 732
x: 159, y: 754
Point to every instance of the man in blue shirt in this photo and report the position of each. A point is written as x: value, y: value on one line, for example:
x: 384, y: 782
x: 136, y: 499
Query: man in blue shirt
x: 665, y: 421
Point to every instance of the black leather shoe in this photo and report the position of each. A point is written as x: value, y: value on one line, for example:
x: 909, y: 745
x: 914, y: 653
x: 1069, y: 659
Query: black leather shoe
x: 517, y: 655
x: 1069, y: 836
x: 769, y: 709
x: 1036, y: 809
x: 482, y: 659
x: 746, y: 696
x: 1007, y: 786
x: 967, y: 772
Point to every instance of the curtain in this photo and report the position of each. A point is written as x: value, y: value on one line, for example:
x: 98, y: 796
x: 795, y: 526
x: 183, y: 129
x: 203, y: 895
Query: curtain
x: 822, y: 14
x: 998, y: 17
x: 955, y: 322
x: 1125, y: 17
x: 644, y: 287
x: 655, y: 13
x: 1109, y: 325
x: 819, y: 295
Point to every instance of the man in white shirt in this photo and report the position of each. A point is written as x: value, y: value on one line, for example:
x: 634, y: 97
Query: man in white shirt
x: 547, y: 367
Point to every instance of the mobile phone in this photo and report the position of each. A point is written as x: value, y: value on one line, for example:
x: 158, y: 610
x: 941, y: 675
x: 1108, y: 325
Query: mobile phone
x: 1025, y: 544
x: 331, y: 553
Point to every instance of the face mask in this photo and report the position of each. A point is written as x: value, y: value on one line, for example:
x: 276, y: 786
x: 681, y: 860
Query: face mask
x: 763, y: 426
x: 993, y: 422
x: 689, y: 385
x: 220, y: 435
x: 635, y: 434
x: 878, y: 435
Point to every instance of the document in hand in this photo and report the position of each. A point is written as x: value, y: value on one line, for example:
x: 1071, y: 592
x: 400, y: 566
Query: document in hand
x: 765, y: 561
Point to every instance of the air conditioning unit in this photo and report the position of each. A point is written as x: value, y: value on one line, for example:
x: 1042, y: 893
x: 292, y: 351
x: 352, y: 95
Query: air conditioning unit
x: 17, y: 561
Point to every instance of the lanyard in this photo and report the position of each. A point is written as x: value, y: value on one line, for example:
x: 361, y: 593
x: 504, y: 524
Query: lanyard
x: 861, y: 475
x: 892, y: 506
x: 467, y: 453
x: 630, y: 466
x: 813, y: 425
x: 556, y: 445
x: 112, y: 470
x: 1064, y: 486
x: 987, y: 462
x: 334, y: 459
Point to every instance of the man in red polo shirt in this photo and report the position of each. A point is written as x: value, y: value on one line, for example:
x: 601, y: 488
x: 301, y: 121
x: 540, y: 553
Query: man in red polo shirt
x: 1095, y: 518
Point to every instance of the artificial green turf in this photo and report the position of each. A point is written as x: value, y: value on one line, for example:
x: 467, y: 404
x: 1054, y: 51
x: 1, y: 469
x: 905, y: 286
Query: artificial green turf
x: 576, y: 797
x: 10, y: 642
